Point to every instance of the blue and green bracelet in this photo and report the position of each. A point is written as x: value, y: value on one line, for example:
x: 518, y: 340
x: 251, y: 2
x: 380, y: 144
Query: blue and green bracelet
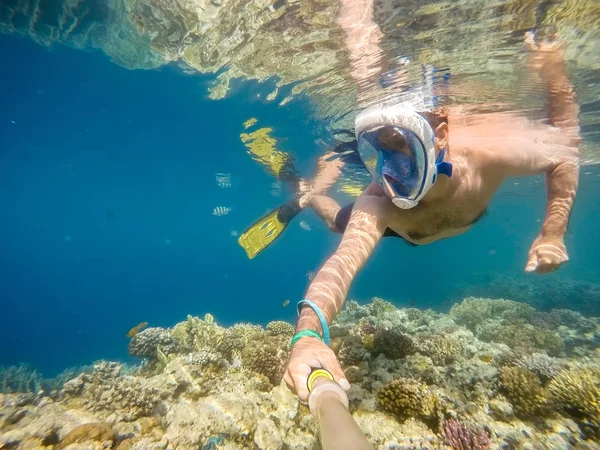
x: 312, y: 333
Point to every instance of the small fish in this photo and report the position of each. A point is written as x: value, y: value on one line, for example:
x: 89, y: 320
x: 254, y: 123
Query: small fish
x: 223, y: 180
x: 285, y: 303
x: 276, y: 189
x: 234, y: 233
x: 310, y: 275
x: 135, y: 330
x: 492, y: 251
x: 221, y: 210
x: 304, y: 226
x: 485, y: 358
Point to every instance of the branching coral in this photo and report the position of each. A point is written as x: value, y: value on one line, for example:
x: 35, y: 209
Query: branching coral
x: 21, y: 378
x: 378, y: 307
x: 106, y: 390
x: 524, y: 390
x: 577, y: 391
x: 265, y: 358
x: 149, y: 342
x: 442, y: 349
x: 280, y: 327
x: 460, y: 437
x: 473, y: 312
x: 198, y: 334
x: 234, y: 339
x: 406, y: 398
x: 352, y: 352
x: 525, y: 337
x: 541, y: 364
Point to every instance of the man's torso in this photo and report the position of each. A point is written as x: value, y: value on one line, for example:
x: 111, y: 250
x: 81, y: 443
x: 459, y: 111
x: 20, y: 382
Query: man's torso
x: 473, y: 143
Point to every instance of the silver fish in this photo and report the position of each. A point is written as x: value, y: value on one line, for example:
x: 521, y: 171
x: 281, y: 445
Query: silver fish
x: 304, y: 226
x: 221, y: 210
x: 223, y: 180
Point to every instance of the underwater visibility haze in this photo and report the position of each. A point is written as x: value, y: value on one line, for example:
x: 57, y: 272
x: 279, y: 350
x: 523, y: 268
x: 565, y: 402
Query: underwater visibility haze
x: 139, y: 141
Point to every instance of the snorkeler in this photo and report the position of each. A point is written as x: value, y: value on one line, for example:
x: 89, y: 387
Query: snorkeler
x: 434, y: 174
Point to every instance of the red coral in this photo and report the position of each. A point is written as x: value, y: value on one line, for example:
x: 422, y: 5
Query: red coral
x: 458, y: 436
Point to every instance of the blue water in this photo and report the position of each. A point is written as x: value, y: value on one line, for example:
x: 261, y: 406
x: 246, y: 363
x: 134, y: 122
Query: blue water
x: 107, y: 187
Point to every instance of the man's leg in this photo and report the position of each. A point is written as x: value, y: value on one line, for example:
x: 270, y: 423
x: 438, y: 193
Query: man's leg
x: 327, y: 209
x: 328, y: 171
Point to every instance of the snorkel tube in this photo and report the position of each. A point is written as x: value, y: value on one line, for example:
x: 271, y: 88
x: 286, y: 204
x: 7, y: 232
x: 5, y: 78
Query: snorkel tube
x: 328, y: 404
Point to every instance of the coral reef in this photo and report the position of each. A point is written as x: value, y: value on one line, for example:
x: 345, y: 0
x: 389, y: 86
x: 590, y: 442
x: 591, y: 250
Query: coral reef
x: 407, y: 398
x: 459, y: 437
x: 545, y: 294
x: 540, y: 364
x: 508, y: 322
x: 441, y: 348
x: 105, y: 390
x: 393, y: 343
x: 197, y: 334
x: 21, y: 378
x: 266, y: 357
x: 577, y: 391
x: 280, y: 327
x: 420, y: 380
x: 147, y: 343
x: 524, y: 390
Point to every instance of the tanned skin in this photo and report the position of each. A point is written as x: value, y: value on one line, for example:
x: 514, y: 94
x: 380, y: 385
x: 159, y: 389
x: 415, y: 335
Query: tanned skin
x: 484, y: 151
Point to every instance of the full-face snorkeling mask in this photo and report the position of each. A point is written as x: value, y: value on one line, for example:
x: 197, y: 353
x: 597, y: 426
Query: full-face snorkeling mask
x: 396, y: 145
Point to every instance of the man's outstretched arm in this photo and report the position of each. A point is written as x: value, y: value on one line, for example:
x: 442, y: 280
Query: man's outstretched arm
x: 548, y: 251
x: 328, y: 291
x: 557, y: 156
x: 330, y: 285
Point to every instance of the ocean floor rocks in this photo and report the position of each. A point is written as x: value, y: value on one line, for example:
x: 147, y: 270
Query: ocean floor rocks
x: 420, y: 380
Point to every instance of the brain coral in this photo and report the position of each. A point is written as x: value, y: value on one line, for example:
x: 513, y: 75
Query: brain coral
x: 406, y: 398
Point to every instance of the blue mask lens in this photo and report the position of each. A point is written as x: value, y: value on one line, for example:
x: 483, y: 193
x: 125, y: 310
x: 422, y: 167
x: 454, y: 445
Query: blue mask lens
x: 399, y: 171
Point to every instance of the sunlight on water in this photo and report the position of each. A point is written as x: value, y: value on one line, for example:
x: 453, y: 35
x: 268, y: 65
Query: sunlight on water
x: 302, y: 46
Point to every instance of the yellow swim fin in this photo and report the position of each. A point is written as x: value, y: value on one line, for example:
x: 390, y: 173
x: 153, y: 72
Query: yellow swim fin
x: 264, y: 231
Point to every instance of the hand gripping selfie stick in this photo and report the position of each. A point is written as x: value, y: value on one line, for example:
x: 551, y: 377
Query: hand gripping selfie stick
x: 328, y: 404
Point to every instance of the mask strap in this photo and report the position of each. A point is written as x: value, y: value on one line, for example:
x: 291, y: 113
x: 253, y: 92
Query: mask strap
x: 443, y: 167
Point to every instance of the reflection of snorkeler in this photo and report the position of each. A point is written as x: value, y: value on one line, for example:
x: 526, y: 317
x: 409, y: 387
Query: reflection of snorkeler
x: 430, y: 183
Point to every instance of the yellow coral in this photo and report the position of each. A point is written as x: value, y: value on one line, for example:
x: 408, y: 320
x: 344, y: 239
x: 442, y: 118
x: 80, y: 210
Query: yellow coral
x: 578, y: 391
x: 198, y: 334
x: 524, y: 390
x: 406, y: 398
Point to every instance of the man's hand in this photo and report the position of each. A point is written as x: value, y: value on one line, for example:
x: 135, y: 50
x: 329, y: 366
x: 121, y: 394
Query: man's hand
x: 307, y: 354
x: 546, y: 254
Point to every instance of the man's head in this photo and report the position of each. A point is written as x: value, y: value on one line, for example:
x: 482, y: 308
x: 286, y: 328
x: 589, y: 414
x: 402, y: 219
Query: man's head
x: 402, y: 151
